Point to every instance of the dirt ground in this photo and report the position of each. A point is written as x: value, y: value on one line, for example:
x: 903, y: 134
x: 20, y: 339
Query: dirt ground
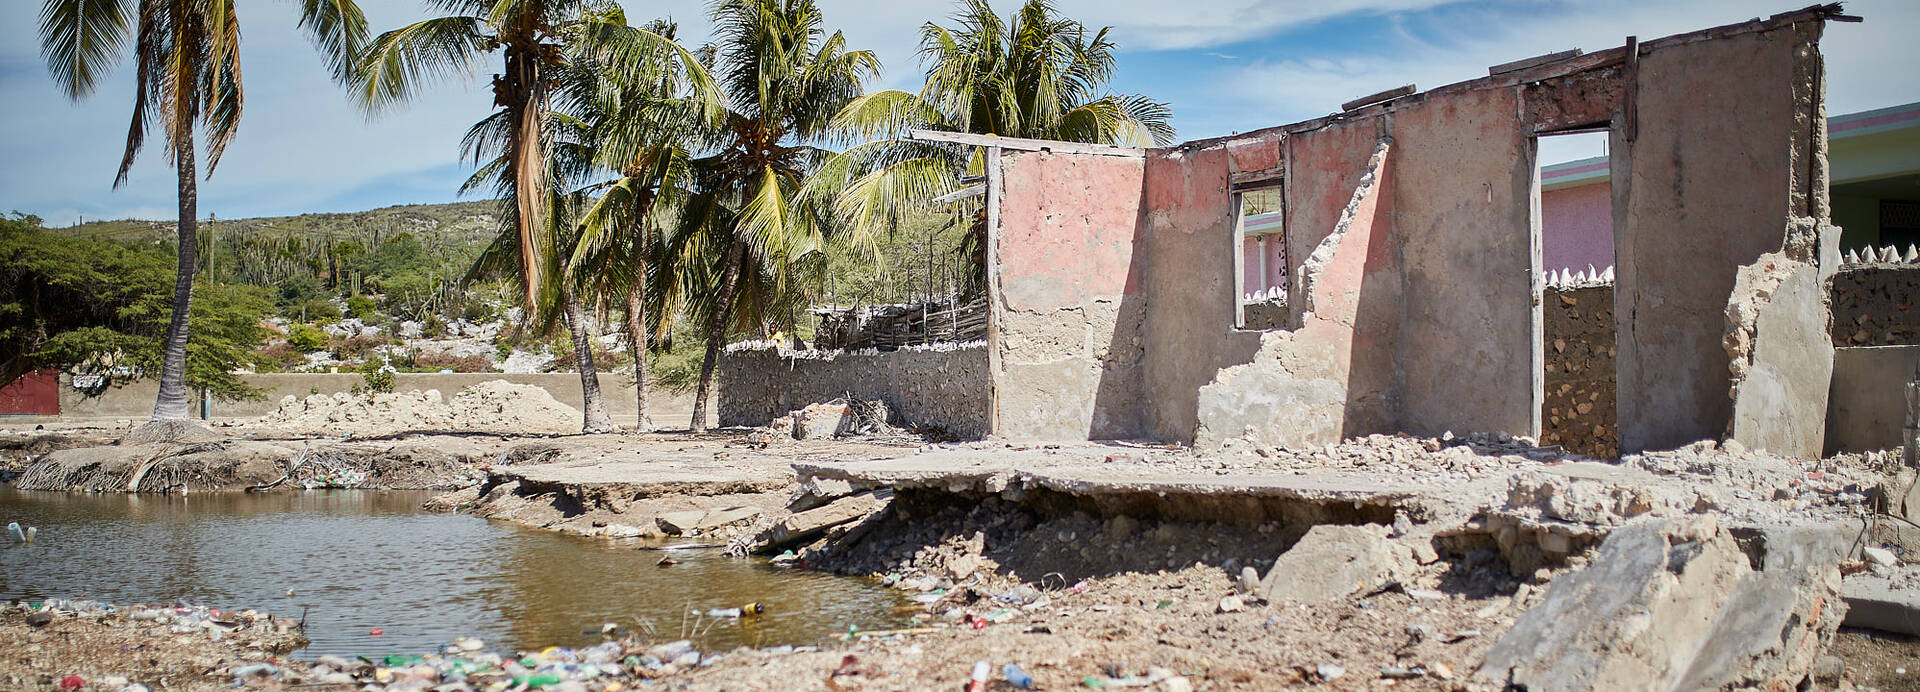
x: 111, y: 651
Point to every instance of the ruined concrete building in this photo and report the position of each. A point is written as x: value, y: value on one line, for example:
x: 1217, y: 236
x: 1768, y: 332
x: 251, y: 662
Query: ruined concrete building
x: 1413, y: 255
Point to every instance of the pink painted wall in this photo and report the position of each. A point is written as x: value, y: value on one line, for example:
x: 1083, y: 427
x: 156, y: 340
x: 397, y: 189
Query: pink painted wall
x: 1251, y: 248
x: 1576, y: 227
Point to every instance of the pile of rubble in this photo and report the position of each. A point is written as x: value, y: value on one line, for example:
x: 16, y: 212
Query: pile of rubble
x: 829, y: 420
x: 493, y: 406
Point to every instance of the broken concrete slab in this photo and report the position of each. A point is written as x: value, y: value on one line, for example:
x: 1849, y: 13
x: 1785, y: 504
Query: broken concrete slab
x: 679, y: 523
x: 1874, y: 603
x: 722, y: 516
x: 1771, y: 631
x: 814, y: 492
x: 1780, y: 357
x: 846, y: 510
x: 1632, y: 619
x: 1333, y: 561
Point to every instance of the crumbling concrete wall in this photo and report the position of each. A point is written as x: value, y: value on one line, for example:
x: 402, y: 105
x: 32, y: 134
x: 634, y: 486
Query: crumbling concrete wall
x: 1779, y: 356
x: 1868, y: 396
x: 1069, y: 338
x: 1465, y: 208
x: 1725, y: 160
x: 1578, y: 409
x: 1296, y: 391
x: 944, y: 387
x: 1188, y: 223
x: 1416, y: 303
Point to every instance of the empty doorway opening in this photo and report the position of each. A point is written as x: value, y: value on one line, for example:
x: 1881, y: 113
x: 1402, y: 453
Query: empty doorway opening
x: 1575, y: 235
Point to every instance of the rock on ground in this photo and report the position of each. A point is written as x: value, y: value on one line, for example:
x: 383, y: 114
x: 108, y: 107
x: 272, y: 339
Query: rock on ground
x: 1670, y: 604
x: 1335, y: 560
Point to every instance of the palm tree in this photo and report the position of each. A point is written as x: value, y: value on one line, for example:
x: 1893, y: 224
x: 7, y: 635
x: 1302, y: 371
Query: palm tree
x: 535, y: 39
x: 783, y: 78
x: 528, y: 163
x: 642, y: 133
x: 187, y: 76
x: 1040, y: 77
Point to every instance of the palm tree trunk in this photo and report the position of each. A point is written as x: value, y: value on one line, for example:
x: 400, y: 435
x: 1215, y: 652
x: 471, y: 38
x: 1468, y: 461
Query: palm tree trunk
x: 172, y: 403
x: 593, y: 404
x: 717, y: 333
x: 637, y: 338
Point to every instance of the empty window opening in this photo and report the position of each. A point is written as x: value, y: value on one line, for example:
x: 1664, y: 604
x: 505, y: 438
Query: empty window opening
x: 1260, y: 225
x: 1575, y: 235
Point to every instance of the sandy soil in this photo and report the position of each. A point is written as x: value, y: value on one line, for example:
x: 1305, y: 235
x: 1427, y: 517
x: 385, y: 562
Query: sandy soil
x: 111, y: 651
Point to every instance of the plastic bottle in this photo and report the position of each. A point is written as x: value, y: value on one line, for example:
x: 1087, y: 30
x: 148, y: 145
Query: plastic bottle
x: 1017, y: 677
x: 981, y: 670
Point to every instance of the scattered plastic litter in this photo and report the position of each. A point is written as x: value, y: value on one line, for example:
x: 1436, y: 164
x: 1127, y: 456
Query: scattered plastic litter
x: 981, y: 671
x: 1017, y: 677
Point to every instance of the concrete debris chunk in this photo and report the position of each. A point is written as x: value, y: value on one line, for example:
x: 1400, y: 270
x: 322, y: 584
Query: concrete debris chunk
x: 821, y: 421
x: 1333, y: 561
x: 1770, y: 633
x: 846, y: 510
x: 1670, y: 604
x: 814, y: 491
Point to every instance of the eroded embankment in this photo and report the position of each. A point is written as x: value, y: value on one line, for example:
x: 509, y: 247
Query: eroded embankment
x: 414, y: 463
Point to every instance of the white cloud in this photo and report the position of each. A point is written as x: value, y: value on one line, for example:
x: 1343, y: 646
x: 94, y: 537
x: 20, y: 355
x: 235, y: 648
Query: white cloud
x: 1868, y: 64
x: 1162, y: 25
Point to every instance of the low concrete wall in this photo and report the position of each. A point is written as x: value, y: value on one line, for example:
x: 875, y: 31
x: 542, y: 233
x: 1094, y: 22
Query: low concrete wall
x: 1868, y: 404
x: 135, y: 400
x: 1578, y: 412
x: 1876, y: 305
x: 944, y: 389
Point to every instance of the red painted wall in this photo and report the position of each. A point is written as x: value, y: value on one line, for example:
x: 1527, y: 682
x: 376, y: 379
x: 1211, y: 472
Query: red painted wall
x: 36, y: 394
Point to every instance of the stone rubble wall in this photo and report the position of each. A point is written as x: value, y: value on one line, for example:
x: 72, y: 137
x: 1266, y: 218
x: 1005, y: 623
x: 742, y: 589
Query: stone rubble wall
x: 1876, y: 305
x: 945, y: 387
x: 1578, y: 412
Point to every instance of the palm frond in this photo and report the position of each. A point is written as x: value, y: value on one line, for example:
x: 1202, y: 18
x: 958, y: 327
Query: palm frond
x: 338, y: 29
x: 81, y: 40
x: 398, y: 63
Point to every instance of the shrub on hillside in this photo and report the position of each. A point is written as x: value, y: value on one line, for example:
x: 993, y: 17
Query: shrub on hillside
x: 279, y: 357
x: 360, y: 307
x: 358, y: 346
x: 307, y: 338
x: 435, y: 361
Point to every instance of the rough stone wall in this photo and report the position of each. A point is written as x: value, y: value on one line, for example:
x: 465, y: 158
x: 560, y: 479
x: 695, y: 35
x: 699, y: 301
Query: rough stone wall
x: 944, y: 388
x: 1876, y: 305
x: 1578, y: 411
x: 1069, y: 340
x: 1470, y: 314
x: 1701, y: 196
x: 1265, y: 314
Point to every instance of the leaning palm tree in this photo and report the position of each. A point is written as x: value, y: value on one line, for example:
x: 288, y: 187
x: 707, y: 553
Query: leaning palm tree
x: 535, y: 38
x: 783, y: 78
x: 187, y: 77
x: 1040, y: 76
x: 528, y: 164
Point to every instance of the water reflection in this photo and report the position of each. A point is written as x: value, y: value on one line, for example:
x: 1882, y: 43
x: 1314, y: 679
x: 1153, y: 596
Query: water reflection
x: 357, y: 561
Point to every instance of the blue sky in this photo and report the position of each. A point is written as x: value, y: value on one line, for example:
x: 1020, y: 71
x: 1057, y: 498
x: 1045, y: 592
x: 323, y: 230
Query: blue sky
x: 1224, y: 65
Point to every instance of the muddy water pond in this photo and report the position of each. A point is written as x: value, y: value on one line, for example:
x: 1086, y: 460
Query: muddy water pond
x: 356, y: 561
